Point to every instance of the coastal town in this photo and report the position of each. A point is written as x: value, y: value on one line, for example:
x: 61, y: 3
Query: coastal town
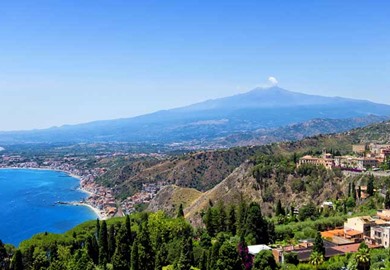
x: 99, y: 198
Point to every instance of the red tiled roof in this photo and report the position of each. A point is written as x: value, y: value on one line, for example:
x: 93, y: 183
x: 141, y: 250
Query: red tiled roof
x: 332, y: 233
x: 347, y: 248
x: 353, y: 232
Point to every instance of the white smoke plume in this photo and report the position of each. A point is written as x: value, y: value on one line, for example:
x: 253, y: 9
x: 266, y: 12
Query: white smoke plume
x: 272, y: 81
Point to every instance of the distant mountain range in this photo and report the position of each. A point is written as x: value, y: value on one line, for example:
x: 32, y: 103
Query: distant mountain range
x: 295, y: 132
x: 264, y: 109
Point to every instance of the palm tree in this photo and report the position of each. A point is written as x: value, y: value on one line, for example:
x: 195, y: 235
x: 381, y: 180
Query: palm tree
x: 316, y: 258
x: 363, y: 258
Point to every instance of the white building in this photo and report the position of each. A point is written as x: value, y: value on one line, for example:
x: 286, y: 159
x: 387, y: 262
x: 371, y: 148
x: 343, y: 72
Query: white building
x: 381, y: 235
x: 253, y: 250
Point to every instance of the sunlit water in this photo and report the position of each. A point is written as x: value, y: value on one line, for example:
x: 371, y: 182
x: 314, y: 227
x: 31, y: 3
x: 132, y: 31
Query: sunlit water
x: 28, y: 204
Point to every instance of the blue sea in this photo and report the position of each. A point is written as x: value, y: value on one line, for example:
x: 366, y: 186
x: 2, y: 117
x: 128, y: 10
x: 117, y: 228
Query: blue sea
x: 28, y: 204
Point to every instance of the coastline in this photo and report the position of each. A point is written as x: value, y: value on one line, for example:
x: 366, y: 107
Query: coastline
x: 94, y: 209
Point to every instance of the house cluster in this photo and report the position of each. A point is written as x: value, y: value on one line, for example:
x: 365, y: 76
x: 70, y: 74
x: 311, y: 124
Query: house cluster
x: 304, y: 249
x: 16, y: 161
x: 375, y: 231
x: 378, y: 151
x: 100, y: 197
x: 66, y: 164
x: 367, y: 156
x: 147, y: 193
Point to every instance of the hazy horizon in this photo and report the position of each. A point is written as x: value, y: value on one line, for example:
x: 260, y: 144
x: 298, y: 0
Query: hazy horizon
x: 265, y: 86
x: 64, y: 63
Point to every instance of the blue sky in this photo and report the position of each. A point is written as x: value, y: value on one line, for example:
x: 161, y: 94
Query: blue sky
x: 66, y: 62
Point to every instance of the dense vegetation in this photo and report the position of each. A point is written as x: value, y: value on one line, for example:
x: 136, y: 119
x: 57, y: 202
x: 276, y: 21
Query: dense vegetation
x: 157, y: 241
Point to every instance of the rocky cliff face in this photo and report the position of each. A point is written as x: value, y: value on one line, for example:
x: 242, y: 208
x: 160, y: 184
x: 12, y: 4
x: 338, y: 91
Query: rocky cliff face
x: 170, y: 197
x: 294, y: 190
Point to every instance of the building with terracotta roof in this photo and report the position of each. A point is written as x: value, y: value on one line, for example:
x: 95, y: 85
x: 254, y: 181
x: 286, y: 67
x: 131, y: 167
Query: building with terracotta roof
x: 326, y: 160
x: 357, y: 227
x: 304, y: 250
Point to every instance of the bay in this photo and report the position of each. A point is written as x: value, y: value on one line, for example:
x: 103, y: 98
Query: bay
x: 28, y: 203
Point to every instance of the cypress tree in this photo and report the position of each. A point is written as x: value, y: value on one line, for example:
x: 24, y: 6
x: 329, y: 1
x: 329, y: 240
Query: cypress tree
x: 359, y: 192
x: 295, y: 158
x: 186, y: 259
x: 111, y: 241
x: 208, y: 220
x: 292, y: 210
x: 203, y: 261
x: 232, y: 220
x: 242, y: 213
x: 180, y: 211
x: 92, y: 249
x: 146, y: 256
x: 279, y: 209
x: 17, y: 261
x: 349, y: 189
x: 319, y: 244
x: 135, y: 256
x: 129, y: 233
x: 370, y: 185
x: 205, y: 240
x: 353, y: 191
x: 387, y: 200
x: 97, y: 228
x: 103, y: 244
x: 220, y: 217
x: 121, y: 257
x: 271, y: 231
x: 256, y: 224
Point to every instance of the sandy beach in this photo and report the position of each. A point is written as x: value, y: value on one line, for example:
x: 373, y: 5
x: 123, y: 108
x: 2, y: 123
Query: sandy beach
x: 95, y: 210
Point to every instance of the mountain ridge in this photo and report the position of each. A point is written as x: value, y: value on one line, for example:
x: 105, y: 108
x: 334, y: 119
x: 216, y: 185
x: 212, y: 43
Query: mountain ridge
x: 257, y: 109
x: 242, y: 183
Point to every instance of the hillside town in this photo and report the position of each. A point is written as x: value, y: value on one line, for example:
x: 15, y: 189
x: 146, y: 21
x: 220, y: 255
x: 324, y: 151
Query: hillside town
x: 366, y: 156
